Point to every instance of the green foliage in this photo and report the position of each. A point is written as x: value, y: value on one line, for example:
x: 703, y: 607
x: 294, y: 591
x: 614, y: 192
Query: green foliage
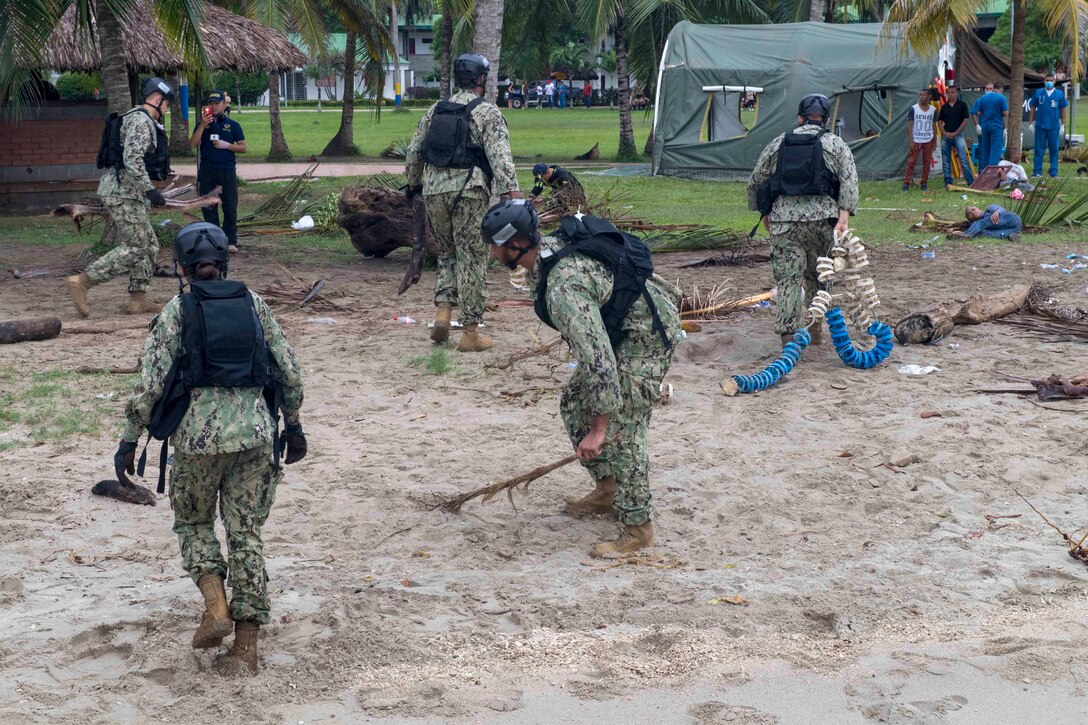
x: 1042, y: 49
x: 78, y: 86
x: 436, y: 362
x: 245, y: 88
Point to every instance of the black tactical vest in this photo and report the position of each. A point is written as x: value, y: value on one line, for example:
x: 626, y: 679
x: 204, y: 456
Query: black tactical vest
x: 111, y: 152
x: 801, y: 171
x: 222, y: 346
x: 627, y: 257
x: 448, y: 143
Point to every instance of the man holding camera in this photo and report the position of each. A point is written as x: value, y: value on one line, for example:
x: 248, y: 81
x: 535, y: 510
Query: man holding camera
x: 219, y: 137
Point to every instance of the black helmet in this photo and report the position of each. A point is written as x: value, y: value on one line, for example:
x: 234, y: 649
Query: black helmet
x: 468, y: 67
x: 814, y: 104
x: 201, y: 242
x: 152, y: 85
x: 509, y: 218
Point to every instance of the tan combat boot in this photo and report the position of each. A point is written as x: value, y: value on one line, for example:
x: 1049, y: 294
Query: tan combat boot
x: 599, y: 501
x: 78, y: 286
x: 632, y: 539
x: 816, y: 332
x: 216, y: 623
x: 242, y: 656
x: 473, y: 341
x: 138, y: 304
x: 441, y: 331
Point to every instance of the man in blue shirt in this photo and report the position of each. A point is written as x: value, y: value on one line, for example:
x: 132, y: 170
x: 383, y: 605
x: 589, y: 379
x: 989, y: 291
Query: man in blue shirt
x: 1047, y: 119
x: 990, y: 112
x: 219, y: 137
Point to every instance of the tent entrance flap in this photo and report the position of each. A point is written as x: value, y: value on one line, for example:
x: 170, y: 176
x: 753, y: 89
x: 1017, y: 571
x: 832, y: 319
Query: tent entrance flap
x: 722, y: 112
x: 862, y: 113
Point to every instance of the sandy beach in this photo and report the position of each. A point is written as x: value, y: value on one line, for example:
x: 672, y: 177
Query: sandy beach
x: 876, y: 589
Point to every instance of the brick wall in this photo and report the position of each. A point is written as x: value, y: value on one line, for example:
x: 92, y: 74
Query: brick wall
x: 47, y: 155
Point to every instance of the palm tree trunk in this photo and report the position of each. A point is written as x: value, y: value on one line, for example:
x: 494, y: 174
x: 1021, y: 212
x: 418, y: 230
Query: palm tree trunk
x: 487, y: 41
x: 1016, y: 82
x: 394, y: 38
x: 446, y: 62
x: 179, y: 131
x: 627, y: 151
x: 114, y: 72
x: 343, y: 143
x: 278, y: 151
x: 817, y: 12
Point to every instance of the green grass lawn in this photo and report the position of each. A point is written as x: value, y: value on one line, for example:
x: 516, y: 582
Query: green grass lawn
x: 534, y: 134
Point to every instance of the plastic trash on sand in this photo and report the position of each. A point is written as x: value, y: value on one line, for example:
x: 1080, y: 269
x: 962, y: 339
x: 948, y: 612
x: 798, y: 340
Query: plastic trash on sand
x: 918, y: 369
x: 403, y: 320
x: 303, y: 224
x: 321, y: 321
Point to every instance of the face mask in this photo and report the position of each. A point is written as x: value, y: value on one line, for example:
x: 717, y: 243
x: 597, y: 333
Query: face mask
x: 1049, y: 84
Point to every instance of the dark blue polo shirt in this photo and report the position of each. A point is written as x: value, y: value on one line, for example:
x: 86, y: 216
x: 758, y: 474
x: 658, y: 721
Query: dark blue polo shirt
x: 229, y: 131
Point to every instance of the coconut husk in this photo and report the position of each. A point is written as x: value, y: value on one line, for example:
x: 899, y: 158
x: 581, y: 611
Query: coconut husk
x: 924, y: 327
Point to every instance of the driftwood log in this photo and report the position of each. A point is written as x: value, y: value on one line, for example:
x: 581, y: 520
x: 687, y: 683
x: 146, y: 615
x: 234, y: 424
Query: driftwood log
x: 378, y: 220
x: 937, y: 322
x: 35, y: 328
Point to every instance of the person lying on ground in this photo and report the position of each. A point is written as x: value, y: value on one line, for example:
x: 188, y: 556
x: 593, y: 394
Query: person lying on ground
x: 996, y: 222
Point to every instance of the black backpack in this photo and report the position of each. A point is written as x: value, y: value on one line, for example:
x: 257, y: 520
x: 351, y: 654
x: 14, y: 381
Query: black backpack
x: 111, y: 151
x: 624, y: 254
x: 222, y: 346
x: 448, y: 143
x: 801, y: 171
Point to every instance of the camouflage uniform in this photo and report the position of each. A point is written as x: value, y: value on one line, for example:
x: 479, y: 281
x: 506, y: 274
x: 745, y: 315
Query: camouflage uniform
x: 222, y: 451
x: 124, y: 195
x: 457, y: 200
x: 623, y: 382
x: 802, y: 227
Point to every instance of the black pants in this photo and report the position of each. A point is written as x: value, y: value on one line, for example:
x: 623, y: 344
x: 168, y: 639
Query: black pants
x: 207, y: 179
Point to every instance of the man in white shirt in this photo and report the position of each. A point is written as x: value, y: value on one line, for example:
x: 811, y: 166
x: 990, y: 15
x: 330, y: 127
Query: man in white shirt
x: 549, y: 93
x: 920, y: 134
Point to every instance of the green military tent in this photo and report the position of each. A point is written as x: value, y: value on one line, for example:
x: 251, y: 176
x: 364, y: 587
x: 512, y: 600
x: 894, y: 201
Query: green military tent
x: 709, y: 71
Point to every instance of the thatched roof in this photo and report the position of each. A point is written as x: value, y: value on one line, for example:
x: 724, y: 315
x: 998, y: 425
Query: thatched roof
x: 231, y: 42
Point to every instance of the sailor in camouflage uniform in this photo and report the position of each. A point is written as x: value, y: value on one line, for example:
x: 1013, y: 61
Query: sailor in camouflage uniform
x: 803, y: 228
x: 126, y: 193
x: 457, y: 199
x: 614, y: 387
x: 223, y: 451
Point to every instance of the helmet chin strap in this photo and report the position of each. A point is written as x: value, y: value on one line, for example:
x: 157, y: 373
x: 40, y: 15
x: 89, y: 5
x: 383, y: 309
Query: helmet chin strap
x: 522, y: 251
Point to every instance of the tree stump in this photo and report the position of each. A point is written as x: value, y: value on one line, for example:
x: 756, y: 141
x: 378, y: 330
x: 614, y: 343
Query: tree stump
x: 36, y: 328
x: 379, y: 220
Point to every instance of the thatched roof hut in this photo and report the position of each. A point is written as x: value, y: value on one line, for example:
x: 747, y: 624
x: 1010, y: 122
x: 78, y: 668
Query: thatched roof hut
x: 231, y: 42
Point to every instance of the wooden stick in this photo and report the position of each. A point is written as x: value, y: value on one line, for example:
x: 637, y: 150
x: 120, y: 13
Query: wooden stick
x: 525, y: 355
x: 124, y: 370
x: 454, y: 504
x: 730, y: 305
x: 103, y: 329
x: 489, y: 492
x: 1049, y: 523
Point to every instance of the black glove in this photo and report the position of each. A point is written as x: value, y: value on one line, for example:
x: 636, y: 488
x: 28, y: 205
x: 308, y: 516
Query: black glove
x: 125, y: 460
x: 293, y: 440
x: 412, y: 191
x: 156, y: 197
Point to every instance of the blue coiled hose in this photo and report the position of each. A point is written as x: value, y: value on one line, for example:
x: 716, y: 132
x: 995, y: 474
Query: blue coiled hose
x: 781, y: 366
x: 860, y: 359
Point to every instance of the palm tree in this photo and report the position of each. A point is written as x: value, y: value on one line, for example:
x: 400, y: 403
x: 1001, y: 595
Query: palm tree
x: 928, y: 21
x: 646, y: 23
x: 608, y: 65
x: 25, y: 27
x: 487, y: 40
x: 307, y: 17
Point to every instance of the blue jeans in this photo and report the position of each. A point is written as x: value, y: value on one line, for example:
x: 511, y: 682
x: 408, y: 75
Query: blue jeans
x: 551, y: 101
x: 961, y: 151
x: 990, y: 143
x: 1046, y: 139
